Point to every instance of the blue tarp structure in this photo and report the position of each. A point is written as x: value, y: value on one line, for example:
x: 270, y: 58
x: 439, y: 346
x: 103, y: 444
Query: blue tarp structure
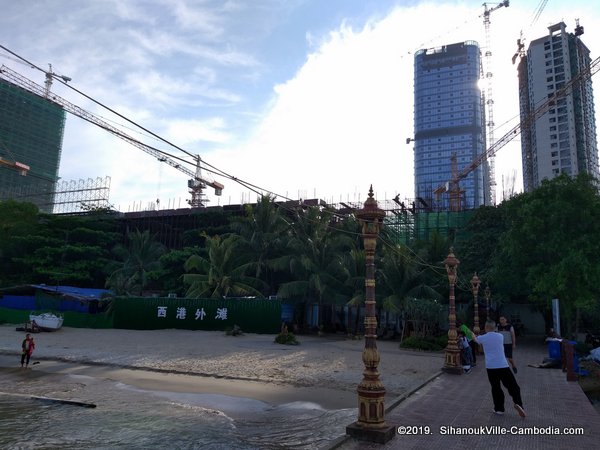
x: 61, y: 298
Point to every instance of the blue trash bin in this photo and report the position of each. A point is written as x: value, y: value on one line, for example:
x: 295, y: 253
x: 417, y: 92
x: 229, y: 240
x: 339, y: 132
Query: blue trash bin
x: 554, y: 349
x: 575, y: 358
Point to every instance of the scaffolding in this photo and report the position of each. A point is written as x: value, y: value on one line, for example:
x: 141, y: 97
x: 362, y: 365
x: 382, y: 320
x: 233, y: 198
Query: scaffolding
x: 82, y: 195
x: 69, y: 196
x: 411, y: 220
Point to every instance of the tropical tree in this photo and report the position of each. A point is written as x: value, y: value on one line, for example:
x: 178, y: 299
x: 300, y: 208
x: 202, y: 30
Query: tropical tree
x: 403, y: 276
x: 138, y: 260
x: 354, y: 263
x: 265, y: 231
x: 54, y: 249
x: 170, y: 275
x: 479, y: 240
x: 223, y: 272
x: 552, y: 244
x: 314, y: 261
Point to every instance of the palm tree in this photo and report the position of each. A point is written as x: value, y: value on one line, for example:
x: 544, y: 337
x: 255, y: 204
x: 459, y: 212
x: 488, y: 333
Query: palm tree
x: 265, y: 231
x: 223, y: 272
x: 139, y: 258
x: 403, y: 276
x: 355, y: 264
x: 314, y: 261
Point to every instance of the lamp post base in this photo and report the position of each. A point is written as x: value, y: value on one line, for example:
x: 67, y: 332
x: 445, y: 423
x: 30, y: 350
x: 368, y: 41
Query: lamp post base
x: 453, y: 364
x: 453, y: 370
x: 377, y: 435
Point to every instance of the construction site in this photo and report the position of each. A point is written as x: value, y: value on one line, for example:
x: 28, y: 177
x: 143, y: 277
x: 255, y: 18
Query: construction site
x: 32, y: 121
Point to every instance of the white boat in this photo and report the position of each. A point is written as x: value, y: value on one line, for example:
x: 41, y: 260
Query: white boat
x: 47, y: 321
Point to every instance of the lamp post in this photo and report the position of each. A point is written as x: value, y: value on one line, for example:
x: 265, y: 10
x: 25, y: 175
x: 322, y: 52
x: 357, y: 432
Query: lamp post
x: 452, y: 364
x: 371, y: 424
x: 488, y: 294
x: 475, y: 282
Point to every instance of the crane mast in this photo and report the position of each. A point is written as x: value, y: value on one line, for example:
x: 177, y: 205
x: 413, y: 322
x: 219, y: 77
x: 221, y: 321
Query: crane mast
x: 49, y: 77
x: 196, y: 184
x: 489, y: 97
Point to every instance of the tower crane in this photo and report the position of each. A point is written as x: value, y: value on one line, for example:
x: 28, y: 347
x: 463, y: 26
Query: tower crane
x: 452, y: 185
x: 49, y: 77
x: 489, y: 99
x: 196, y: 184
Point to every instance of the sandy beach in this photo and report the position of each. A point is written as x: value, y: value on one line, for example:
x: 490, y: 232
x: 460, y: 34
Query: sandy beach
x: 322, y: 370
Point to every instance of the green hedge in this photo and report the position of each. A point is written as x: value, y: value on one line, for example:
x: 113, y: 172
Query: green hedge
x: 430, y: 343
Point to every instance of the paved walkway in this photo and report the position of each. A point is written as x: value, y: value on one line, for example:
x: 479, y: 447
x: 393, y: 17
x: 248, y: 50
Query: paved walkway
x: 453, y: 403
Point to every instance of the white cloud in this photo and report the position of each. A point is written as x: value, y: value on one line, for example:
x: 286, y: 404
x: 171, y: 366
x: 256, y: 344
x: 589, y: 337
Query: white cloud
x: 190, y: 70
x: 190, y: 132
x: 342, y: 122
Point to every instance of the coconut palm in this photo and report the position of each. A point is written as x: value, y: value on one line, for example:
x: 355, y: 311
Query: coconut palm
x: 355, y: 264
x: 403, y: 276
x: 138, y: 259
x: 265, y: 231
x: 314, y: 261
x: 223, y: 272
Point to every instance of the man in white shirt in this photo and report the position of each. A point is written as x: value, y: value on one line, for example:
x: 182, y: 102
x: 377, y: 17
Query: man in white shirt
x: 498, y: 369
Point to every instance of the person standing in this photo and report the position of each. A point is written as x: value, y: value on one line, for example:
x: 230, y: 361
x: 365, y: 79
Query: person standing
x: 474, y: 347
x: 510, y: 340
x: 466, y: 354
x: 27, y: 349
x: 498, y: 370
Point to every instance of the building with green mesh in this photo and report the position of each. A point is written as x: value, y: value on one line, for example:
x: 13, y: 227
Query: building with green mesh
x: 31, y: 132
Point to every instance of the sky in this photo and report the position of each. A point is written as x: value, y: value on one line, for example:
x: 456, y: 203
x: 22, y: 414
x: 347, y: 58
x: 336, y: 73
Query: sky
x: 299, y: 98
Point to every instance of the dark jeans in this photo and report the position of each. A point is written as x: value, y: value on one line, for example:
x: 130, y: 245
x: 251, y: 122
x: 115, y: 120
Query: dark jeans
x: 506, y: 377
x: 25, y: 357
x: 474, y: 349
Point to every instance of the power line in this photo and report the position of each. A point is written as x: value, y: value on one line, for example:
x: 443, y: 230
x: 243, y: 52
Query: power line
x: 214, y: 170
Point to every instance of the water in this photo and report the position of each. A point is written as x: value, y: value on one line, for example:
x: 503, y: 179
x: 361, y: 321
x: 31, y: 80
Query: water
x: 127, y: 417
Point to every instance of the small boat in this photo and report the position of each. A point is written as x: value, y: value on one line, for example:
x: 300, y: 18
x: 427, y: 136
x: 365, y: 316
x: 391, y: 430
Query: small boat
x: 47, y: 321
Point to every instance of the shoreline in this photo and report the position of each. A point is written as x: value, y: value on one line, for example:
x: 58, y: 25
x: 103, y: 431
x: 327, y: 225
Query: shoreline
x: 155, y: 381
x: 319, y: 371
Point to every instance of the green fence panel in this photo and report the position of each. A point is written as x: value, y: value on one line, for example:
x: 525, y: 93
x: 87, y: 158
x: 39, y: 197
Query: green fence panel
x: 251, y: 315
x: 8, y: 315
x: 85, y: 320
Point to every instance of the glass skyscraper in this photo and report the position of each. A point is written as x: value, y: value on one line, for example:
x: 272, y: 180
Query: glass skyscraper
x: 564, y: 139
x: 449, y: 120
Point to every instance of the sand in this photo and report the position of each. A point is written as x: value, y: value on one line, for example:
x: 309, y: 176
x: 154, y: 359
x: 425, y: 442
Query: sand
x: 323, y: 370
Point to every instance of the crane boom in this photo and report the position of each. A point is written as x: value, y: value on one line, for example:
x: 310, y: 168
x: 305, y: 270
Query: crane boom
x: 588, y: 72
x: 199, y: 182
x: 22, y: 168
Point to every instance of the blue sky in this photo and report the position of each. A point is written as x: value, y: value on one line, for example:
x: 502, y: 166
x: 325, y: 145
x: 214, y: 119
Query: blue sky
x: 306, y: 98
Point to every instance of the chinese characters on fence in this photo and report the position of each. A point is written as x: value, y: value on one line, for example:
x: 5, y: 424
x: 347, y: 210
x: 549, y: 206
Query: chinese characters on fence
x: 181, y: 313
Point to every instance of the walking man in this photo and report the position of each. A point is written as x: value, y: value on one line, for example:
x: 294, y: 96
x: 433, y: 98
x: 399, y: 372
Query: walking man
x: 27, y: 349
x: 498, y: 370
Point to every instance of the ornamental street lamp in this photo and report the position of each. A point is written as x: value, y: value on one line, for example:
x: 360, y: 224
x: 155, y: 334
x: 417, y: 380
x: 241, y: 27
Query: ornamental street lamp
x: 452, y: 364
x: 488, y: 294
x: 371, y: 410
x: 475, y: 282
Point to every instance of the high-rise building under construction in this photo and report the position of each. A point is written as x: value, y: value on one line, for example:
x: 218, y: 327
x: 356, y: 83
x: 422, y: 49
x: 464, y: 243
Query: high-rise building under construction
x: 449, y: 121
x: 31, y: 132
x: 564, y: 139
